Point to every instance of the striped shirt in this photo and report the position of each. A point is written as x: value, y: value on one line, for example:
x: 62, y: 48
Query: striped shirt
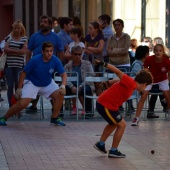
x: 16, y: 60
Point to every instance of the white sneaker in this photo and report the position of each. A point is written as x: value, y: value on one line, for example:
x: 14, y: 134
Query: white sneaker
x: 135, y: 121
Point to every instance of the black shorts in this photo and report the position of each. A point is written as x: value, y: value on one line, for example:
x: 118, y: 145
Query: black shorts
x: 112, y: 117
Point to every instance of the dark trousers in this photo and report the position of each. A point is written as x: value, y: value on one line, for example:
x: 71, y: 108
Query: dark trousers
x: 153, y: 98
x: 88, y: 102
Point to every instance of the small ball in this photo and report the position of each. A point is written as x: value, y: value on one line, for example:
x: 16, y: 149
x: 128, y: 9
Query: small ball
x: 152, y: 151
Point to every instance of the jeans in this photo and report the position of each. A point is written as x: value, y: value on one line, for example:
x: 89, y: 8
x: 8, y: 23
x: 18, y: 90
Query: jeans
x: 11, y: 74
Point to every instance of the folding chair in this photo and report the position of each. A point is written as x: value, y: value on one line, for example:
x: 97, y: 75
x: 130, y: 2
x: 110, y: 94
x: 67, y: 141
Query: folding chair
x: 91, y: 77
x: 71, y: 77
x: 135, y: 94
x: 167, y: 115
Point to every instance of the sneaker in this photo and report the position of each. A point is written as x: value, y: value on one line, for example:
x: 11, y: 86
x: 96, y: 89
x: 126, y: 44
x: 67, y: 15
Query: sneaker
x: 135, y: 122
x: 74, y: 111
x: 32, y: 109
x: 82, y: 112
x: 1, y: 99
x: 150, y: 116
x: 57, y: 122
x: 89, y: 116
x: 100, y: 148
x: 165, y: 110
x: 116, y: 154
x: 2, y: 121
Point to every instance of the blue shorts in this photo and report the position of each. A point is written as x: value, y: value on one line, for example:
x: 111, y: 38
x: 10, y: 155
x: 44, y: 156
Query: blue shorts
x: 112, y: 117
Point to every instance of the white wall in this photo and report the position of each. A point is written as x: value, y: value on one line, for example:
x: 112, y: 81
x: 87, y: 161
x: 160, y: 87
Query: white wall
x: 130, y: 12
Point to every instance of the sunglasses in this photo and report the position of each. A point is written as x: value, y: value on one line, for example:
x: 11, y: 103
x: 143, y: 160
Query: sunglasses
x: 77, y: 54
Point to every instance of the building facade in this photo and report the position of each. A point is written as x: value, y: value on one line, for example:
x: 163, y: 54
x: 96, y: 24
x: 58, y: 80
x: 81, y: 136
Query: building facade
x: 141, y: 17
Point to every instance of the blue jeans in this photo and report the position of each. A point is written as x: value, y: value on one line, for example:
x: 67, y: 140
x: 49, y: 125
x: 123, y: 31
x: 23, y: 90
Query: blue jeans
x: 11, y: 74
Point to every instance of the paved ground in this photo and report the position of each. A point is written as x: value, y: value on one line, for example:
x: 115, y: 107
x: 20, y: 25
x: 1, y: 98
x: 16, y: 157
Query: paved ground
x: 31, y: 143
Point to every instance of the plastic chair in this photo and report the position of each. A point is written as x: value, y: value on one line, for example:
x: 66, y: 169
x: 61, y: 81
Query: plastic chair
x: 135, y: 94
x: 71, y: 77
x: 92, y: 78
x: 147, y: 105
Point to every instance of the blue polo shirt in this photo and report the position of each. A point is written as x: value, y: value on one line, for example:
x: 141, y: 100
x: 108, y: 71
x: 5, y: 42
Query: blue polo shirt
x: 37, y: 39
x: 65, y: 38
x: 40, y: 72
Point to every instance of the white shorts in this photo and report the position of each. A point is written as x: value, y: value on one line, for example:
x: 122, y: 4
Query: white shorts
x: 30, y: 90
x: 163, y: 85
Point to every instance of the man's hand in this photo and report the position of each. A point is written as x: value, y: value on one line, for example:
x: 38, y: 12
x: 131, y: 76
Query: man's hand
x: 18, y: 93
x: 62, y: 90
x: 104, y: 85
x: 74, y: 90
x: 101, y: 63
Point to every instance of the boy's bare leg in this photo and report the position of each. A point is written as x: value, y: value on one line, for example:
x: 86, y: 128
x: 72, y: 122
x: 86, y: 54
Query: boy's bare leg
x: 118, y: 133
x: 120, y: 128
x: 107, y: 132
x: 57, y: 103
x: 16, y: 108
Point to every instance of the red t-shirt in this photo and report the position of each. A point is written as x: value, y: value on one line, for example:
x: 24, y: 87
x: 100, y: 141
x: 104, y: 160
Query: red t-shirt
x: 118, y: 93
x: 158, y: 70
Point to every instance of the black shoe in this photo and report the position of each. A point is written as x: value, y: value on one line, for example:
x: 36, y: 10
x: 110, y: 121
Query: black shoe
x: 165, y: 110
x: 31, y: 109
x: 150, y: 116
x: 89, y: 116
x: 100, y: 148
x: 61, y: 115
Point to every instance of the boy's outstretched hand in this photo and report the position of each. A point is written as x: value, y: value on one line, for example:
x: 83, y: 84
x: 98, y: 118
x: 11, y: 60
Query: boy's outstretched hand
x: 101, y: 63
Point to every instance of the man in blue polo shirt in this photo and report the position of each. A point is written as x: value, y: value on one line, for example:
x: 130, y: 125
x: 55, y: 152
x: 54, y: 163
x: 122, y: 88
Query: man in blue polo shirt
x: 35, y: 45
x: 43, y: 35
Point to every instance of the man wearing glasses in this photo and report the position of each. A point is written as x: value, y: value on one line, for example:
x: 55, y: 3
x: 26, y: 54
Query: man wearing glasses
x: 77, y: 64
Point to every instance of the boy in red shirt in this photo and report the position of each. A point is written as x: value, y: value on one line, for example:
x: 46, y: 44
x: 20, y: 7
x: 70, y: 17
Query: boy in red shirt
x: 108, y: 105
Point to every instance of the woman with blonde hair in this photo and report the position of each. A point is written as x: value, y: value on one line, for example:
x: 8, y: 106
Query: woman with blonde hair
x: 15, y: 48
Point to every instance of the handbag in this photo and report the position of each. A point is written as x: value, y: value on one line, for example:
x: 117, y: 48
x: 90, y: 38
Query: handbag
x: 2, y: 61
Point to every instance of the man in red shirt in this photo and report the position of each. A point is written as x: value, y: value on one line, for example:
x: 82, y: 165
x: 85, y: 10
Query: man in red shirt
x: 108, y: 105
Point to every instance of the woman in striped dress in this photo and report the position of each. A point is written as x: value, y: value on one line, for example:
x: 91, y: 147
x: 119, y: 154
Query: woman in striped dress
x: 15, y: 48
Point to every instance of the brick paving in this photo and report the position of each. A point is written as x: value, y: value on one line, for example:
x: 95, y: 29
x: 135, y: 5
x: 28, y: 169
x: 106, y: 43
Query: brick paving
x: 38, y: 145
x: 33, y: 144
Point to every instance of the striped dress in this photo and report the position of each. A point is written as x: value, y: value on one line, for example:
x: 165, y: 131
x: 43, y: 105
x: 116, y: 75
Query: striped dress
x: 16, y: 60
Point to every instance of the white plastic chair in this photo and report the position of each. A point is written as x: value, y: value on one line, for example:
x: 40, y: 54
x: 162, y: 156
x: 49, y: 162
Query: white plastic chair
x: 71, y: 77
x: 147, y: 105
x: 135, y: 94
x: 92, y: 78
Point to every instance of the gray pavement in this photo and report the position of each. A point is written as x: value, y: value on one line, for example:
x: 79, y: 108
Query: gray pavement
x: 31, y: 143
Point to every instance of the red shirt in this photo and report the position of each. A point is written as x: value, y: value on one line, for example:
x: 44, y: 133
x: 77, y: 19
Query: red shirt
x: 118, y: 93
x: 159, y: 70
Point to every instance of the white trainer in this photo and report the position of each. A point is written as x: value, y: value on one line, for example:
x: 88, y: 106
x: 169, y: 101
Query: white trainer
x: 135, y: 121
